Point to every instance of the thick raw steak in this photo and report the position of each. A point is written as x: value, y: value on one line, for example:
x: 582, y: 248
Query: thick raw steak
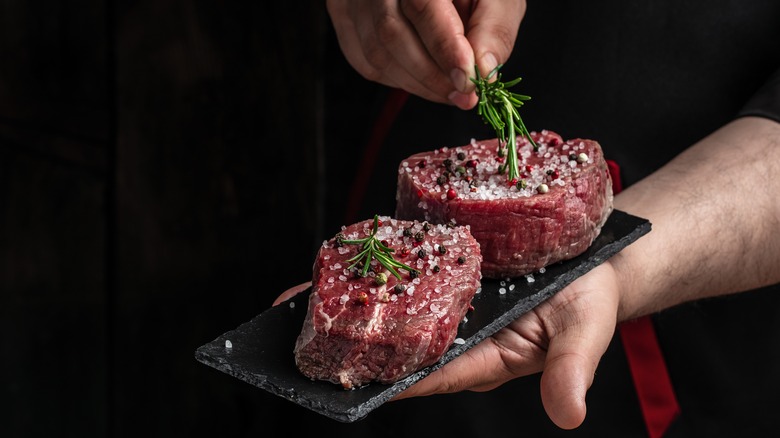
x: 357, y: 330
x: 566, y: 199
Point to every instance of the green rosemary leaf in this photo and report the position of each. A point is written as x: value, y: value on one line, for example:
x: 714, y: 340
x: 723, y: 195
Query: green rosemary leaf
x: 493, y: 94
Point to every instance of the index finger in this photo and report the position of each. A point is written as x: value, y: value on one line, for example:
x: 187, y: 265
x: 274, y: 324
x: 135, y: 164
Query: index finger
x: 441, y: 30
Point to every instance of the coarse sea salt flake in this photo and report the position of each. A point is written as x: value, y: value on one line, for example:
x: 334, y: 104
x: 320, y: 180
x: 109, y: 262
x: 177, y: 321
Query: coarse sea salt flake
x: 459, y: 341
x: 228, y: 344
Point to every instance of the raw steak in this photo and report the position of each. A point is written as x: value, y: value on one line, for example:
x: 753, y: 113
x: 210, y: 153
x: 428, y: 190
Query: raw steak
x: 552, y: 213
x: 358, y: 330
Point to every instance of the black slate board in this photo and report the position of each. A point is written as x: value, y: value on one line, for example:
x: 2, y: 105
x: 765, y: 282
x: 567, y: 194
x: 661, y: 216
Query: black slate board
x: 262, y: 348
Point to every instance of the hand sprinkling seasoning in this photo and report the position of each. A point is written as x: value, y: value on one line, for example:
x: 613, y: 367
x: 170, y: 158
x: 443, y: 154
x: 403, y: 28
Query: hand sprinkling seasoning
x: 372, y: 248
x: 498, y: 107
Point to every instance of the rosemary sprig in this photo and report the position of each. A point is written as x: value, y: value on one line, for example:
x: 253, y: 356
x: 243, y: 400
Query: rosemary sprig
x: 372, y: 248
x: 498, y: 107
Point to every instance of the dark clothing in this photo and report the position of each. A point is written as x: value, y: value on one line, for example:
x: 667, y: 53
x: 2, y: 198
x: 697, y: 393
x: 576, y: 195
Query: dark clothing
x: 647, y: 80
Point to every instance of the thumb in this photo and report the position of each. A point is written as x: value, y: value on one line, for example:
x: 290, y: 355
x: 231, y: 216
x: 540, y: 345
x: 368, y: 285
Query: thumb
x: 564, y: 384
x: 492, y: 30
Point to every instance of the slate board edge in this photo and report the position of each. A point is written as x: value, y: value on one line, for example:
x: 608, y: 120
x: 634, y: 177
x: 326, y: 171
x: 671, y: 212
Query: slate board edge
x: 362, y: 410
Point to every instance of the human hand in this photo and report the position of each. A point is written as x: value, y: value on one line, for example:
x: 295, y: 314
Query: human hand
x: 291, y: 292
x: 427, y: 47
x: 564, y: 338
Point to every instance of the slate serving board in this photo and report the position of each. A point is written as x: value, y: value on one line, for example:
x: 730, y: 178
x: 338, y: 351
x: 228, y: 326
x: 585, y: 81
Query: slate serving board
x: 261, y: 351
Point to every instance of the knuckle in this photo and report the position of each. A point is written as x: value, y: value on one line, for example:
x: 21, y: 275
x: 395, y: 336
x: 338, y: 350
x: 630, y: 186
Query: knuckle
x: 388, y: 28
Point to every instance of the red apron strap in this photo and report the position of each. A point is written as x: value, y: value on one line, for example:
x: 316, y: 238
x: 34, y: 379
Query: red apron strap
x: 393, y: 105
x: 646, y: 362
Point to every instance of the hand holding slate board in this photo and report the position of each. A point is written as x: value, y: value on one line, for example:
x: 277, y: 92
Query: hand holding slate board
x: 260, y: 351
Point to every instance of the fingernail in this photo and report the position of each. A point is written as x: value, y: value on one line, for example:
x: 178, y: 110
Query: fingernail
x: 490, y: 62
x: 458, y: 78
x: 461, y: 100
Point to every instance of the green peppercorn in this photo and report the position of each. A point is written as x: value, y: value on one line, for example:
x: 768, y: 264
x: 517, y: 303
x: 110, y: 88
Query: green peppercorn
x: 381, y: 278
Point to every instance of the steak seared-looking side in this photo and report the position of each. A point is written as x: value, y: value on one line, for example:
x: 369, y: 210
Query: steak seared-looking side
x: 358, y: 330
x: 552, y: 213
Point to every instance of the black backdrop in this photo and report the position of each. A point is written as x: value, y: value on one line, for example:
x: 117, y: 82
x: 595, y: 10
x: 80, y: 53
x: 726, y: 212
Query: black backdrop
x: 160, y: 183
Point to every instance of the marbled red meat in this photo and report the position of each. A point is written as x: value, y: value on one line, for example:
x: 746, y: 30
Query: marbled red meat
x: 566, y: 199
x: 358, y: 330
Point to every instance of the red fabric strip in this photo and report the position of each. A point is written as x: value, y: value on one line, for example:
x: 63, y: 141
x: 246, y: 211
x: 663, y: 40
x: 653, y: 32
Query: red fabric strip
x: 651, y: 379
x: 395, y: 101
x: 646, y: 361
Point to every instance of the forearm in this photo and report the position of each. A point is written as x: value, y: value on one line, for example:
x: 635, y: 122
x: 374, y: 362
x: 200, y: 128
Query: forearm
x: 715, y: 215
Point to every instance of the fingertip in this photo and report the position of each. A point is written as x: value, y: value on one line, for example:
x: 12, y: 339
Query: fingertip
x: 563, y: 396
x: 464, y: 101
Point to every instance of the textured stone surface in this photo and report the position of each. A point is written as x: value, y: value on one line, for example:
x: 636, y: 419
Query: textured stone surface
x: 261, y: 351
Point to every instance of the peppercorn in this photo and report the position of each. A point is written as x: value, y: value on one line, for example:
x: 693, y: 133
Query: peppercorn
x: 461, y: 156
x: 441, y: 180
x: 461, y: 260
x: 399, y: 288
x: 381, y: 278
x: 408, y: 232
x: 419, y: 236
x: 421, y: 253
x: 436, y: 268
x: 442, y: 249
x: 426, y: 226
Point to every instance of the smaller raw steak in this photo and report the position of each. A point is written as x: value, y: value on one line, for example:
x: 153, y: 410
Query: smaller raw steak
x: 553, y: 212
x: 377, y: 327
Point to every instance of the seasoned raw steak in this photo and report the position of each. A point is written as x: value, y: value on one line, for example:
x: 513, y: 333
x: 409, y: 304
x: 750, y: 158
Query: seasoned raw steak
x: 552, y: 213
x: 359, y: 329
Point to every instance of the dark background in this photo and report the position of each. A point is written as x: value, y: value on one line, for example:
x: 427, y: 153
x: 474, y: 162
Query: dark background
x: 160, y: 183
